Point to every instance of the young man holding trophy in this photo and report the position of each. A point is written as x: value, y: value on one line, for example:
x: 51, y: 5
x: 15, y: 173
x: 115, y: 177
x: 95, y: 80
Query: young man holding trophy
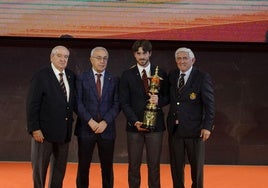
x: 143, y: 92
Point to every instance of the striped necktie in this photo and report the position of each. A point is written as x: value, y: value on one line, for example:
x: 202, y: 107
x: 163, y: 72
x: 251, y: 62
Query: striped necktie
x: 62, y: 85
x: 181, y: 81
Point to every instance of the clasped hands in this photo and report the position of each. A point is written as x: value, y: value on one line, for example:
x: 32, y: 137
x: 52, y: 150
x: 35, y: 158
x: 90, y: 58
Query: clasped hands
x: 96, y: 127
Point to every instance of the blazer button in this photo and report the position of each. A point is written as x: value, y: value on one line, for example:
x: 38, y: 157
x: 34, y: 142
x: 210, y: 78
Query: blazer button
x: 178, y: 103
x: 66, y: 119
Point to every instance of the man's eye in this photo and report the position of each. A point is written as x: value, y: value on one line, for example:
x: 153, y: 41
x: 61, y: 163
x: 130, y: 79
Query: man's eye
x: 60, y: 56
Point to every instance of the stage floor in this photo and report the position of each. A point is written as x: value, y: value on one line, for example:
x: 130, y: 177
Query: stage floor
x: 19, y: 175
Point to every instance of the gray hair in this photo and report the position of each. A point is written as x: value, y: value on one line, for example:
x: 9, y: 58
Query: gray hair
x: 187, y: 50
x: 98, y: 48
x: 55, y: 50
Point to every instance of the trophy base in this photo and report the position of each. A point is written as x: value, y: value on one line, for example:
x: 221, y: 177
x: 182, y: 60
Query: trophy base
x: 148, y: 127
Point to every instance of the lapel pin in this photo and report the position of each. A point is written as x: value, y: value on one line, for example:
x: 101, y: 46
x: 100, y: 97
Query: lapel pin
x: 193, y: 96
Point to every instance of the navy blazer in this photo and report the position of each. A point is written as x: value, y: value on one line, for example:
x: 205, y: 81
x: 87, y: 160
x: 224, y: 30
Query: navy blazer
x: 133, y: 98
x: 47, y: 107
x: 89, y: 106
x: 193, y: 107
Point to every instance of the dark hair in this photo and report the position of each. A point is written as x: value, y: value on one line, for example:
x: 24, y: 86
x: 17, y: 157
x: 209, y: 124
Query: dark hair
x: 67, y: 36
x: 144, y: 44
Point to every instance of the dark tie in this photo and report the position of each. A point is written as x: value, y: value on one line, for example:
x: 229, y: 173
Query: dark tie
x: 98, y: 85
x: 145, y: 81
x: 181, y: 81
x: 62, y: 85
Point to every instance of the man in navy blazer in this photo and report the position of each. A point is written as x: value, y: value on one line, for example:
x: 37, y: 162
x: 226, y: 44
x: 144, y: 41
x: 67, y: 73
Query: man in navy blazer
x: 50, y: 118
x: 98, y: 106
x: 190, y: 117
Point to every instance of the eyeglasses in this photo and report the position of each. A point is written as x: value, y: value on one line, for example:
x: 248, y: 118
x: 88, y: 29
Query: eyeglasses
x: 100, y: 58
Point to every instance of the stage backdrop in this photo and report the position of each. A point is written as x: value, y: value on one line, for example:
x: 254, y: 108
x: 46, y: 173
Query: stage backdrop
x: 202, y: 20
x: 239, y: 72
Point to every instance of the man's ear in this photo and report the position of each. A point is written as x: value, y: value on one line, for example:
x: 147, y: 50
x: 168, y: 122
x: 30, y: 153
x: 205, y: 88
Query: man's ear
x: 193, y: 60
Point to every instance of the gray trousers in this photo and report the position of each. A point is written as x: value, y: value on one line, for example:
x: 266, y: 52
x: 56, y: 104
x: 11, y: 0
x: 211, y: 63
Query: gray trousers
x: 153, y: 146
x: 43, y: 154
x: 194, y: 149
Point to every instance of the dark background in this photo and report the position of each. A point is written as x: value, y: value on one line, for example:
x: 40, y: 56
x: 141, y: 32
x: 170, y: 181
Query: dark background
x: 239, y: 72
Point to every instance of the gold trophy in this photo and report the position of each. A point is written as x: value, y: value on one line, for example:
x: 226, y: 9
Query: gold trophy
x: 150, y: 113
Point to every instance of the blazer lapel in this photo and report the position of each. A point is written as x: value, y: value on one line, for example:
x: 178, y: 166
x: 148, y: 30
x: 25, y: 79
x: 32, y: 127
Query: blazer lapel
x: 56, y: 82
x: 106, y: 84
x: 92, y: 83
x: 71, y: 84
x: 137, y: 79
x: 189, y: 81
x: 191, y: 78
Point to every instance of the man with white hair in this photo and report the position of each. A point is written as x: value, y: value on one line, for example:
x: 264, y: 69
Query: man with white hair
x: 50, y: 106
x: 190, y: 117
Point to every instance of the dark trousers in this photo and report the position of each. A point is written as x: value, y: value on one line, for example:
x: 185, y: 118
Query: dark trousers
x: 153, y: 146
x: 85, y: 152
x: 194, y: 148
x: 44, y: 153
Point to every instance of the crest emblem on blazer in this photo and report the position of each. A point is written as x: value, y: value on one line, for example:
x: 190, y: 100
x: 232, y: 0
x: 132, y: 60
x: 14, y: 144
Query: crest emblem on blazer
x: 192, y: 96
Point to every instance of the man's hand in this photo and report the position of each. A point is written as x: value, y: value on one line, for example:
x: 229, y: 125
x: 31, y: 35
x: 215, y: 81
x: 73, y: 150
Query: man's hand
x: 153, y: 98
x: 101, y: 127
x: 93, y: 124
x: 205, y: 134
x: 138, y: 125
x: 38, y: 136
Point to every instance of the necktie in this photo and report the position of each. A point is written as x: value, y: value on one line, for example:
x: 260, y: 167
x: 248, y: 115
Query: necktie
x: 98, y: 85
x: 62, y: 85
x: 145, y: 81
x: 181, y: 81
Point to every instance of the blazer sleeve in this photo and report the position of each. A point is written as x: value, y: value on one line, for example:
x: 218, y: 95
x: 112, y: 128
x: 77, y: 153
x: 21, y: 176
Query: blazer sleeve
x: 208, y: 102
x: 81, y: 110
x: 33, y: 104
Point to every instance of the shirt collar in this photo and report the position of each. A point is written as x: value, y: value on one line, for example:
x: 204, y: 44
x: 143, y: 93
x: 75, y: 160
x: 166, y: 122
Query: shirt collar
x: 187, y: 73
x: 56, y: 71
x: 147, y: 69
x: 95, y: 72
